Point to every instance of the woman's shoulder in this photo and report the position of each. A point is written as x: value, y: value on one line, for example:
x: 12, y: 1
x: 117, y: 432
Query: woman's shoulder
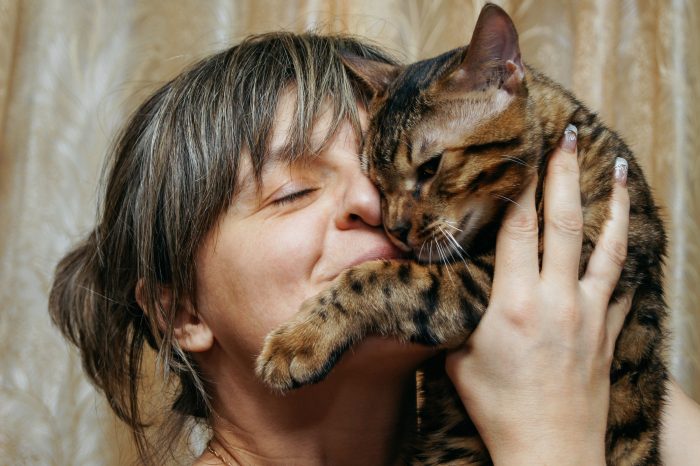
x: 680, y: 443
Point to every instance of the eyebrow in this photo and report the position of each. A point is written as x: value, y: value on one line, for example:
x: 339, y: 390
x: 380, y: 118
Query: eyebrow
x: 275, y: 154
x: 250, y: 190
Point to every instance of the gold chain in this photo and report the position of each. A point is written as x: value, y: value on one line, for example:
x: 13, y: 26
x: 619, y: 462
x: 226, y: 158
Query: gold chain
x: 218, y: 455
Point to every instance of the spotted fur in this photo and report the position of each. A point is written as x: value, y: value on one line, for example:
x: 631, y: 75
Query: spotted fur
x: 451, y: 140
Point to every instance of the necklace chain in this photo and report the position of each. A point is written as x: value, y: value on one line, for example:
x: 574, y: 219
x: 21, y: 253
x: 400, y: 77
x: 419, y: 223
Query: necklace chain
x: 218, y: 455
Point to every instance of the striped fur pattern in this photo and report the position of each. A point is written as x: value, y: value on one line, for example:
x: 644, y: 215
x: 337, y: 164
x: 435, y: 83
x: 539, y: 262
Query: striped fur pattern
x: 451, y: 140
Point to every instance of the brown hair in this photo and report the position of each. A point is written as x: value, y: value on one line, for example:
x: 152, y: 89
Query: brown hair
x: 168, y: 179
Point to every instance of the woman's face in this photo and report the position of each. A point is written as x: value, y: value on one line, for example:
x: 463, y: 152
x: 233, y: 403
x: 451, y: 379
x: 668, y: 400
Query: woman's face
x: 276, y: 247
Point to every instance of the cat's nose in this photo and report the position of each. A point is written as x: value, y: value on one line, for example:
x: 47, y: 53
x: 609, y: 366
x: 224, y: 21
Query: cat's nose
x: 400, y: 231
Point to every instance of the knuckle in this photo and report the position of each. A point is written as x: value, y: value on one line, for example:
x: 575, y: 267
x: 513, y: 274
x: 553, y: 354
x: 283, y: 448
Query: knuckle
x: 568, y: 315
x: 522, y: 224
x: 519, y: 312
x: 563, y: 166
x: 569, y: 223
x: 616, y: 251
x: 565, y: 310
x: 601, y: 283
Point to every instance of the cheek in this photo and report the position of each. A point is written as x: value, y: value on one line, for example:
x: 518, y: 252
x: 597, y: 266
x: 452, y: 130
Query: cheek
x: 468, y: 212
x: 474, y: 203
x: 254, y: 279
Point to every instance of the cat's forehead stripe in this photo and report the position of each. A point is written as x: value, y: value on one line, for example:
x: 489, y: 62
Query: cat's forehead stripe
x: 405, y: 101
x: 449, y: 130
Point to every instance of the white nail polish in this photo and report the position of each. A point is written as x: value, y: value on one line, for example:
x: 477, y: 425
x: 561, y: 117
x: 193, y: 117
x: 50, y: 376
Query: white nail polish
x: 570, y: 134
x: 621, y: 168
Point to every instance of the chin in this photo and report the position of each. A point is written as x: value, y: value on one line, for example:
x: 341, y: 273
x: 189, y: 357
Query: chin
x: 385, y: 357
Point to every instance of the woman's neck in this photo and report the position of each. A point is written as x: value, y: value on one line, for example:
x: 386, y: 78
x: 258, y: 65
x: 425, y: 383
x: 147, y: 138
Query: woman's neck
x: 358, y: 415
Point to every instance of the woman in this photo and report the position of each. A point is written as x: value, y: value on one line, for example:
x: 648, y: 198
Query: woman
x: 235, y: 193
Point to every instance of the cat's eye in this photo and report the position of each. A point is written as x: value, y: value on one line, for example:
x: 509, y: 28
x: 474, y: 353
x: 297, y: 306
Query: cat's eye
x: 429, y: 168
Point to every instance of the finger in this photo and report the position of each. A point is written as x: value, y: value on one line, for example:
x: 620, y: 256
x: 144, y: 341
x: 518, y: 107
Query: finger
x: 563, y: 219
x: 516, y: 244
x: 608, y: 257
x: 617, y: 313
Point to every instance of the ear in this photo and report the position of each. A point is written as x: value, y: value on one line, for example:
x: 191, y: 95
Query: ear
x: 189, y: 329
x: 493, y: 55
x: 373, y: 74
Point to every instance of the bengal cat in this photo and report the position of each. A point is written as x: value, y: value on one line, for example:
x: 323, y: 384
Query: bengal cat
x: 450, y: 140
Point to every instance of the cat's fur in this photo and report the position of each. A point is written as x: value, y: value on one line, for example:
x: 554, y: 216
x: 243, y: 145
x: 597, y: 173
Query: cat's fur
x: 494, y: 121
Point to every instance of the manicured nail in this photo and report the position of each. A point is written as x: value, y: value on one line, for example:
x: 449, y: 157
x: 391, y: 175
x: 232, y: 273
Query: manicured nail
x: 569, y: 142
x: 621, y: 170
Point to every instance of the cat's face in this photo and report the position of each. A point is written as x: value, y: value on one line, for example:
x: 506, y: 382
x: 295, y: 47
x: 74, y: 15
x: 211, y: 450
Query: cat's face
x: 448, y: 169
x: 450, y: 139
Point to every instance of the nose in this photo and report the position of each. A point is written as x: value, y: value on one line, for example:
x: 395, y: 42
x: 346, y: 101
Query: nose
x: 360, y: 203
x: 400, y: 231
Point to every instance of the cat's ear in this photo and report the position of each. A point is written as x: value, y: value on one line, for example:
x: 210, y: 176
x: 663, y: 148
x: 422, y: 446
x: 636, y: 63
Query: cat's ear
x: 373, y: 74
x: 493, y: 55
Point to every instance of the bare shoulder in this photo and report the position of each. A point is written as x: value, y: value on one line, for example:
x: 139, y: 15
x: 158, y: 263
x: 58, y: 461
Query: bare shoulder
x: 680, y: 444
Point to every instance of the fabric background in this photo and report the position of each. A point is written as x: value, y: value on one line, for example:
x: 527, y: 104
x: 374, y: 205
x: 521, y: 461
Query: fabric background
x: 70, y: 72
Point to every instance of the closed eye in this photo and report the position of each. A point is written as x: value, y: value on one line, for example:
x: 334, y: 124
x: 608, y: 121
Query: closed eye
x: 289, y: 198
x: 429, y: 168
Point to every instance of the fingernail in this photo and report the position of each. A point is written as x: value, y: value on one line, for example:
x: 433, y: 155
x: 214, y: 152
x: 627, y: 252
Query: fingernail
x: 621, y: 171
x: 569, y: 142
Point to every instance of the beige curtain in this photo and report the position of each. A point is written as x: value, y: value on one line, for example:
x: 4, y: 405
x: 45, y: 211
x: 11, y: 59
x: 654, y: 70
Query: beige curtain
x: 70, y: 72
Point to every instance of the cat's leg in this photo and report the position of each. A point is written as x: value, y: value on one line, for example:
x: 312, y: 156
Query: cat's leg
x: 433, y: 304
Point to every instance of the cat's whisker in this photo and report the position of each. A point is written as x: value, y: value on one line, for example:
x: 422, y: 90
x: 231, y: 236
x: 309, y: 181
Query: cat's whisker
x: 517, y: 160
x: 452, y: 239
x: 448, y: 266
x: 452, y: 268
x: 505, y: 198
x: 443, y: 256
x: 439, y: 249
x: 421, y: 249
x: 449, y: 224
x: 432, y: 226
x: 461, y: 252
x: 462, y: 258
x: 445, y: 235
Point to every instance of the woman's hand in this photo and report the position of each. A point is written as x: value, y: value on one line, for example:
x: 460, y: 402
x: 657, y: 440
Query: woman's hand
x: 534, y: 376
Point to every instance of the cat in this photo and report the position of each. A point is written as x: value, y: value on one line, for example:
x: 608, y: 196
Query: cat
x: 450, y: 140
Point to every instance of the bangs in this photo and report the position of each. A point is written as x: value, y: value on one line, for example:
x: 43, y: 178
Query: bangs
x: 309, y: 69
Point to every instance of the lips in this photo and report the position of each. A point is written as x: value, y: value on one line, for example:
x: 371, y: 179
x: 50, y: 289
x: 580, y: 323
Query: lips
x: 386, y: 251
x: 358, y: 252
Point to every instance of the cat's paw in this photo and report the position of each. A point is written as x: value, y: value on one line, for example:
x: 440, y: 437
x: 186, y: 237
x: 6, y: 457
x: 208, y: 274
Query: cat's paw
x: 302, y: 351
